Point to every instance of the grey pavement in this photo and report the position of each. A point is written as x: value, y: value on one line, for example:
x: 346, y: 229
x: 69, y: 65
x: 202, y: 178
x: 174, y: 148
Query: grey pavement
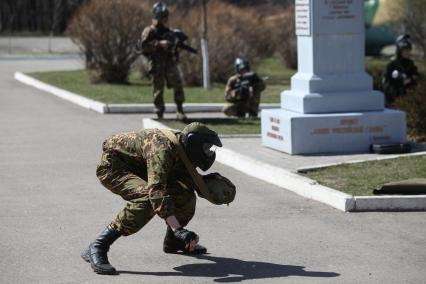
x: 252, y: 146
x: 52, y: 206
x: 36, y: 45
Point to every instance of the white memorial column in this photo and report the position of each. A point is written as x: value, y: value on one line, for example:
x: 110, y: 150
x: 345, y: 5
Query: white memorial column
x: 331, y: 76
x: 331, y: 106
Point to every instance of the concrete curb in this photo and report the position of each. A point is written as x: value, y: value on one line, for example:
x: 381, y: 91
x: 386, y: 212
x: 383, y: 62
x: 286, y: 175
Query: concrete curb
x: 41, y: 56
x: 120, y: 108
x: 390, y: 203
x: 68, y: 96
x: 309, y: 188
x: 171, y: 108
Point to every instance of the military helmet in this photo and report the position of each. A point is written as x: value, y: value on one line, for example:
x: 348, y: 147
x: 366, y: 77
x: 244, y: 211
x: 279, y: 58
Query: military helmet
x: 160, y: 10
x: 198, y: 140
x: 403, y: 42
x: 221, y: 189
x: 241, y: 64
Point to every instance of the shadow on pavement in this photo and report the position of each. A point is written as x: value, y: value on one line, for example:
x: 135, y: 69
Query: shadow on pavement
x: 226, y: 270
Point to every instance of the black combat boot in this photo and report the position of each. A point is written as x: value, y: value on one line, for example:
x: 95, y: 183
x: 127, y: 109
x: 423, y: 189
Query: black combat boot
x: 240, y: 114
x: 160, y: 114
x: 172, y: 244
x: 96, y: 253
x: 253, y: 115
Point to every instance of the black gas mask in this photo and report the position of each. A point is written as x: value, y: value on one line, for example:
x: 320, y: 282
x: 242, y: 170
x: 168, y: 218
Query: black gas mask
x: 200, y: 146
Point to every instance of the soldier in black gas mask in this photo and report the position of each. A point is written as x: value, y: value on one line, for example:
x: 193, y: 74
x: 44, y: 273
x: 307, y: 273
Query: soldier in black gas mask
x: 154, y: 170
x: 401, y: 74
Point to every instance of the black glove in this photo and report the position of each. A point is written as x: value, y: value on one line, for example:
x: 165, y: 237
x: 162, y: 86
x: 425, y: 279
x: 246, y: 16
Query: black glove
x: 185, y: 235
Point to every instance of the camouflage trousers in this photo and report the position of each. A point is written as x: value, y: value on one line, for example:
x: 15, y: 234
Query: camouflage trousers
x: 166, y: 72
x: 129, y: 181
x: 251, y: 106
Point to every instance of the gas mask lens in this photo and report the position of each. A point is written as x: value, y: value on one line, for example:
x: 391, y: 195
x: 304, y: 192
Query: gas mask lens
x: 209, y: 149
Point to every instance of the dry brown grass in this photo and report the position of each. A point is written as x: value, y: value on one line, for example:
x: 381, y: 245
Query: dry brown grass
x: 414, y: 104
x: 285, y: 40
x: 232, y: 31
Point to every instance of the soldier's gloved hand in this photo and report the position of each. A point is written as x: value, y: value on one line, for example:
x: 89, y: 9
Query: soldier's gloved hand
x: 164, y: 44
x: 188, y: 237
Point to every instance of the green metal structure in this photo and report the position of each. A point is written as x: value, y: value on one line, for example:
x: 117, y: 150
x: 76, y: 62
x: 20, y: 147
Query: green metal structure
x: 376, y: 36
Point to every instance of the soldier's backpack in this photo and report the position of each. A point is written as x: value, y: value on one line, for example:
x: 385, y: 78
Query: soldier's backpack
x: 398, y: 148
x: 404, y: 187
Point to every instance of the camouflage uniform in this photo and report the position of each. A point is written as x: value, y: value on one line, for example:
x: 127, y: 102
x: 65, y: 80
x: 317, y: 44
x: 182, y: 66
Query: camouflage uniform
x: 234, y: 107
x: 144, y: 169
x: 395, y: 87
x: 162, y: 67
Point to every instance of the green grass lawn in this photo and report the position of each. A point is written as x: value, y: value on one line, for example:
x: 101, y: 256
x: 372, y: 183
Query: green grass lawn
x: 362, y: 178
x: 139, y: 90
x: 223, y: 126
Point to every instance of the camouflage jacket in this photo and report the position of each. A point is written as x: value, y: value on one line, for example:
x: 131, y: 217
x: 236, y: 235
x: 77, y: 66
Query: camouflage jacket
x: 232, y: 88
x: 150, y: 43
x: 151, y: 151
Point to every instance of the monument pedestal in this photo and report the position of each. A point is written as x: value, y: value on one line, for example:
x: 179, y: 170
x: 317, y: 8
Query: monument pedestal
x: 331, y: 102
x: 331, y: 106
x: 298, y: 133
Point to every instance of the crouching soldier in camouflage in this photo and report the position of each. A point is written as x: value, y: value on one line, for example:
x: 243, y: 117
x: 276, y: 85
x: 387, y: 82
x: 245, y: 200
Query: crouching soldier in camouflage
x: 157, y: 48
x: 242, y: 92
x: 154, y: 170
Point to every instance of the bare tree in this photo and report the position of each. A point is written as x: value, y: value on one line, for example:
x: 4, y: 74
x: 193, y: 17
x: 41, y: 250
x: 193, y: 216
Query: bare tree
x: 411, y: 20
x: 36, y: 15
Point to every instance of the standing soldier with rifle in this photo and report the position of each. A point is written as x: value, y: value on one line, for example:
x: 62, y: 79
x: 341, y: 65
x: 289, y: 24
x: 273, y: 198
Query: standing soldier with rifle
x: 242, y: 92
x: 401, y: 74
x: 160, y: 45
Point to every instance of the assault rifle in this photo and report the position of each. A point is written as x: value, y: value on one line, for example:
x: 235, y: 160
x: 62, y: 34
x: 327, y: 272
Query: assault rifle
x: 177, y: 38
x: 248, y: 79
x: 243, y: 90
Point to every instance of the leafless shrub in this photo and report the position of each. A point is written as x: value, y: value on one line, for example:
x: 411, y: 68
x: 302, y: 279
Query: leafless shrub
x: 106, y: 32
x: 414, y: 104
x: 411, y: 19
x: 285, y: 40
x: 232, y: 31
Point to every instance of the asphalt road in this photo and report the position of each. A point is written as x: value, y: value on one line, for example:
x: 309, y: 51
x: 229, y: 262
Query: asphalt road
x: 36, y: 45
x: 52, y: 206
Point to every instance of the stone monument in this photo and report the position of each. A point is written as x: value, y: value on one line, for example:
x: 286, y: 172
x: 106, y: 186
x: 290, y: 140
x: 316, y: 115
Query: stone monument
x: 331, y: 106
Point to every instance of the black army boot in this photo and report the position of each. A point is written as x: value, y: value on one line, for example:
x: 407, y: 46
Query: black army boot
x: 252, y: 115
x: 172, y: 244
x: 159, y: 114
x: 96, y: 253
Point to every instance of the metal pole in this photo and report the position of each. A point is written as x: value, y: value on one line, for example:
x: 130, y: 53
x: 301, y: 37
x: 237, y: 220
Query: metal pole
x: 49, y: 42
x: 11, y: 20
x: 205, y: 49
x: 10, y: 44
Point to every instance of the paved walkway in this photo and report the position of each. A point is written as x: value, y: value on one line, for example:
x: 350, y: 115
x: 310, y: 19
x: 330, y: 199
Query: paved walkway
x: 37, y: 45
x: 52, y: 206
x: 252, y: 147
